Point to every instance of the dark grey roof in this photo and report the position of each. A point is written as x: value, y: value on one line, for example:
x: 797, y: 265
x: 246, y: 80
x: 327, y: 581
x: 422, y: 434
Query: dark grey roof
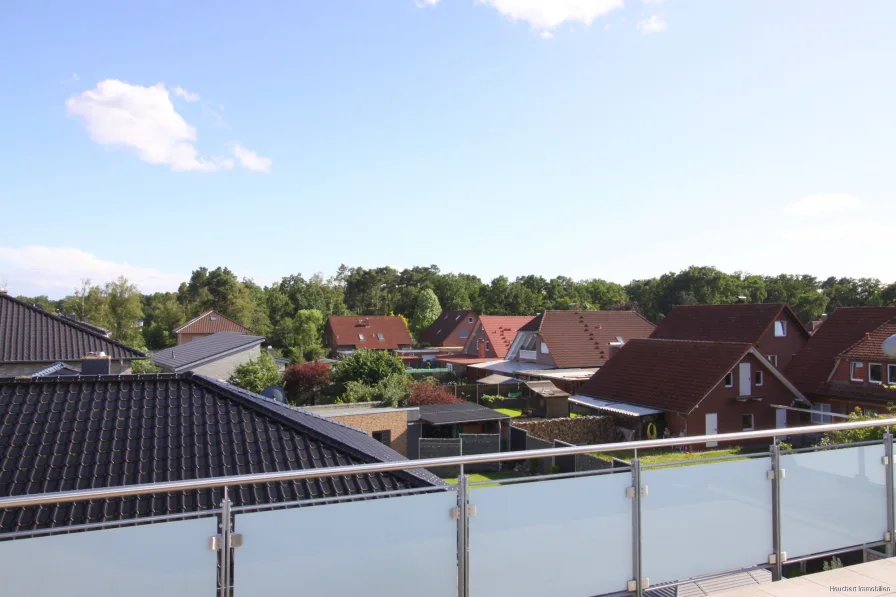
x: 29, y: 334
x: 462, y: 412
x: 61, y: 434
x: 59, y: 368
x: 202, y: 350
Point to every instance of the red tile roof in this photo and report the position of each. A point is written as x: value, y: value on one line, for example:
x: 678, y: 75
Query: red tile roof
x: 211, y: 322
x: 811, y: 366
x: 348, y: 329
x: 669, y: 375
x: 582, y: 338
x: 871, y: 345
x: 723, y: 323
x: 442, y: 327
x: 501, y: 330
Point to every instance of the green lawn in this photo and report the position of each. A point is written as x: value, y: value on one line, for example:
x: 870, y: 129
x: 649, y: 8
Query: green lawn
x: 513, y: 412
x: 478, y: 478
x: 664, y: 456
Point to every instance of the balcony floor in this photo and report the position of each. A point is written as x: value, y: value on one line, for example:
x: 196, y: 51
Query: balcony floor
x: 869, y: 579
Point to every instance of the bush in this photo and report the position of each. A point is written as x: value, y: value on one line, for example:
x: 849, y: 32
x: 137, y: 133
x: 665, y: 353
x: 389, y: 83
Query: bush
x: 257, y: 374
x: 491, y: 400
x: 144, y: 366
x: 856, y: 435
x: 424, y: 393
x: 393, y: 390
x: 368, y: 367
x: 305, y: 382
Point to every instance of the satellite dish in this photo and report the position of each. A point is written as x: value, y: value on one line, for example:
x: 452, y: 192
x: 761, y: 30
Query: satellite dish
x: 275, y: 393
x: 889, y: 346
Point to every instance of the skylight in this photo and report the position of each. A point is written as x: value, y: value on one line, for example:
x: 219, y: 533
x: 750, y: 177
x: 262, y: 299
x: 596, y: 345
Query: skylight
x: 361, y: 336
x: 380, y: 337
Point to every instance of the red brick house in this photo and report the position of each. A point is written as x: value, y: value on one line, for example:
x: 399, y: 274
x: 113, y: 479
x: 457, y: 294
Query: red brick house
x: 843, y: 365
x: 572, y: 339
x: 699, y: 388
x: 451, y: 329
x: 493, y: 335
x: 210, y: 322
x: 344, y: 334
x: 771, y: 328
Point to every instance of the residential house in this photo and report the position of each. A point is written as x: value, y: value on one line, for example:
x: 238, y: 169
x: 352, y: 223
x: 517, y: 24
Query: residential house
x: 74, y: 433
x: 397, y: 428
x: 210, y: 322
x: 452, y: 329
x: 216, y: 356
x: 691, y: 387
x: 344, y: 334
x: 493, y: 334
x: 32, y: 340
x: 576, y: 339
x: 772, y: 328
x: 843, y: 365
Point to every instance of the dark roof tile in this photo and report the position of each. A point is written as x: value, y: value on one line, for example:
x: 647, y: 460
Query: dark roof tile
x: 442, y: 327
x: 201, y: 350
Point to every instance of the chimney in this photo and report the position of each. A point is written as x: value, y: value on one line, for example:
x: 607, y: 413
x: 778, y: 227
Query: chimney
x: 96, y: 364
x: 2, y: 289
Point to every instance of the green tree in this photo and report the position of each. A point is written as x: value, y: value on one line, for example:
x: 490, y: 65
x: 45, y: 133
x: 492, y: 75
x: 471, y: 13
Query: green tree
x: 394, y: 390
x: 368, y: 367
x: 125, y: 311
x: 144, y: 366
x: 256, y: 374
x: 426, y: 311
x: 888, y: 295
x: 803, y: 294
x: 302, y: 333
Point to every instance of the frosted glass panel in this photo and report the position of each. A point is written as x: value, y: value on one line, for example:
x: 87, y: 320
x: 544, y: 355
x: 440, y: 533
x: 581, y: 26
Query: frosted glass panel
x: 705, y: 519
x: 832, y: 499
x: 169, y: 559
x: 389, y: 547
x: 564, y: 538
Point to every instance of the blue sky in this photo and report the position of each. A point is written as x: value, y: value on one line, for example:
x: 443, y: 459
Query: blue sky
x: 589, y: 138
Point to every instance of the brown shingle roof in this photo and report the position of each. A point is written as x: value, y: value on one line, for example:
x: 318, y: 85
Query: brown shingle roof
x: 443, y: 326
x: 582, y: 338
x: 871, y: 346
x: 723, y: 323
x: 670, y: 375
x: 348, y: 329
x: 211, y: 322
x: 811, y: 366
x: 501, y: 330
x: 29, y: 334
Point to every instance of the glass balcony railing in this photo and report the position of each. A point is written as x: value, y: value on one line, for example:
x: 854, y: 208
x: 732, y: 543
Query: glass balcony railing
x: 612, y: 531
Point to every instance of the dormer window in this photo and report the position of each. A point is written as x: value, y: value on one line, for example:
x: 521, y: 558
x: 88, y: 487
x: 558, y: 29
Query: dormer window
x: 780, y: 329
x: 729, y: 379
x: 891, y: 373
x: 875, y: 373
x: 856, y: 371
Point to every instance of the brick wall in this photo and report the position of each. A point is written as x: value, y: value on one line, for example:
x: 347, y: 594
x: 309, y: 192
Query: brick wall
x: 395, y: 422
x: 579, y: 430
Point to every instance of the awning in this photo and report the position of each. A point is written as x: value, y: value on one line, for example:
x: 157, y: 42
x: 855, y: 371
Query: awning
x: 546, y: 389
x: 494, y: 378
x: 507, y: 366
x: 617, y: 408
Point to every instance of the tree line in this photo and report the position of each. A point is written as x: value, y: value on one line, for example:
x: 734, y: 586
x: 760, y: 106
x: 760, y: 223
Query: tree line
x: 291, y: 313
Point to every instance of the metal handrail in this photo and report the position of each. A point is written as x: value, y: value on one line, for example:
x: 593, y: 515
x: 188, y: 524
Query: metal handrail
x: 382, y: 467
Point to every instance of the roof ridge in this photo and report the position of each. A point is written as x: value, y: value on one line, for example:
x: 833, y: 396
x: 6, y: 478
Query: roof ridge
x: 198, y: 317
x: 89, y: 329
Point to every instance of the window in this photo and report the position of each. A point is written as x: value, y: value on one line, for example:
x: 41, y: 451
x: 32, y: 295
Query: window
x: 361, y: 336
x: 758, y: 378
x: 456, y: 318
x: 891, y: 375
x: 545, y: 349
x: 729, y: 379
x: 487, y: 347
x: 870, y: 412
x: 620, y: 340
x: 855, y: 371
x: 748, y: 422
x: 464, y: 334
x: 875, y: 373
x: 380, y: 337
x: 384, y: 437
x: 821, y: 408
x: 213, y: 317
x: 773, y: 359
x: 780, y: 329
x: 470, y: 320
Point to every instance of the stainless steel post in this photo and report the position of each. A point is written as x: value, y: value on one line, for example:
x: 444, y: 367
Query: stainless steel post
x: 636, y: 525
x: 891, y: 515
x: 226, y: 548
x: 463, y: 547
x: 775, y: 457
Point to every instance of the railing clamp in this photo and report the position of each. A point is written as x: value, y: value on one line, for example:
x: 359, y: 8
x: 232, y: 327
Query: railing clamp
x: 772, y: 559
x: 888, y: 536
x: 885, y: 460
x: 770, y: 475
x: 633, y: 585
x: 216, y: 543
x: 454, y: 513
x: 630, y: 491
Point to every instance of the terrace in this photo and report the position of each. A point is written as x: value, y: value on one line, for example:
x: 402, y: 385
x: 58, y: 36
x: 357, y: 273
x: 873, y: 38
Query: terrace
x: 605, y: 532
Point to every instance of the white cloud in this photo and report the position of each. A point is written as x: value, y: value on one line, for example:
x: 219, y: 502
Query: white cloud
x: 75, y: 77
x: 142, y: 118
x: 57, y: 271
x: 654, y: 24
x: 546, y: 35
x: 548, y: 14
x: 820, y: 203
x: 422, y: 3
x: 250, y: 159
x: 188, y: 96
